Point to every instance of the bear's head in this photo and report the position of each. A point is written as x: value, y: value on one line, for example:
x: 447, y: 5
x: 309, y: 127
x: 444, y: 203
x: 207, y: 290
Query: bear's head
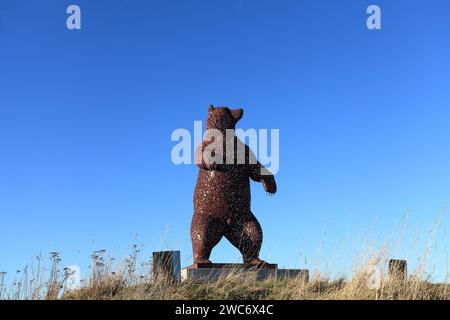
x: 222, y: 118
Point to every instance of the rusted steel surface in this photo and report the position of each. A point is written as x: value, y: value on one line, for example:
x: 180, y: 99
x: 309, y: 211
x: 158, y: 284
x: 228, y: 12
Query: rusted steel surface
x: 222, y: 194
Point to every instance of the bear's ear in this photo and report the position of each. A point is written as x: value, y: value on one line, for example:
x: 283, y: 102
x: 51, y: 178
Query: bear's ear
x: 211, y: 108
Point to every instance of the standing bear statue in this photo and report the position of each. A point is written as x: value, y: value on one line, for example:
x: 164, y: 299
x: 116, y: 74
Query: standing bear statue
x: 222, y: 192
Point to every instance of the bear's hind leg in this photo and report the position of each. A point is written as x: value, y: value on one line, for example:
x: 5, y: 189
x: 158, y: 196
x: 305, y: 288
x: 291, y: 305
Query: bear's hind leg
x: 206, y: 232
x: 247, y: 236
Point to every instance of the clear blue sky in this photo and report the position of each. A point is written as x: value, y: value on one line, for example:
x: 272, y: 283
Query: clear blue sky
x: 86, y: 118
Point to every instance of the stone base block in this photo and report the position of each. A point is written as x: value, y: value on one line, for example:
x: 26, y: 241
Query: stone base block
x: 293, y: 273
x: 212, y: 272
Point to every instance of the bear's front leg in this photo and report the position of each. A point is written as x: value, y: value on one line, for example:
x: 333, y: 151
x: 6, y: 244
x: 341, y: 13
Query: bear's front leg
x: 269, y: 184
x: 260, y: 174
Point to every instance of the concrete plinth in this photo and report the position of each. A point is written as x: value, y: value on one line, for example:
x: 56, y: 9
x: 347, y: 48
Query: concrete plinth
x: 302, y: 274
x: 212, y: 272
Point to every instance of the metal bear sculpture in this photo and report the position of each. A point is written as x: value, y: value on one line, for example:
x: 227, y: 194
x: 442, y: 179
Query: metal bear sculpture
x: 222, y: 192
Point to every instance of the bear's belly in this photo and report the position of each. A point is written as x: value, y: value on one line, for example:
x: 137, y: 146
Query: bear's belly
x: 222, y: 193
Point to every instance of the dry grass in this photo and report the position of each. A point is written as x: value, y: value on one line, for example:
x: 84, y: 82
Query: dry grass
x: 125, y: 281
x: 237, y: 287
x: 127, y: 284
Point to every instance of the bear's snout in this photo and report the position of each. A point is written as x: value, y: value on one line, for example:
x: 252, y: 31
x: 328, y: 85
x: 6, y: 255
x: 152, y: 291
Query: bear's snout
x: 237, y: 114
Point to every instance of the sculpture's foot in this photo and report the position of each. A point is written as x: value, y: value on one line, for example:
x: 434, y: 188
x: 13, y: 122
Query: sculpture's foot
x: 207, y: 261
x: 256, y: 263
